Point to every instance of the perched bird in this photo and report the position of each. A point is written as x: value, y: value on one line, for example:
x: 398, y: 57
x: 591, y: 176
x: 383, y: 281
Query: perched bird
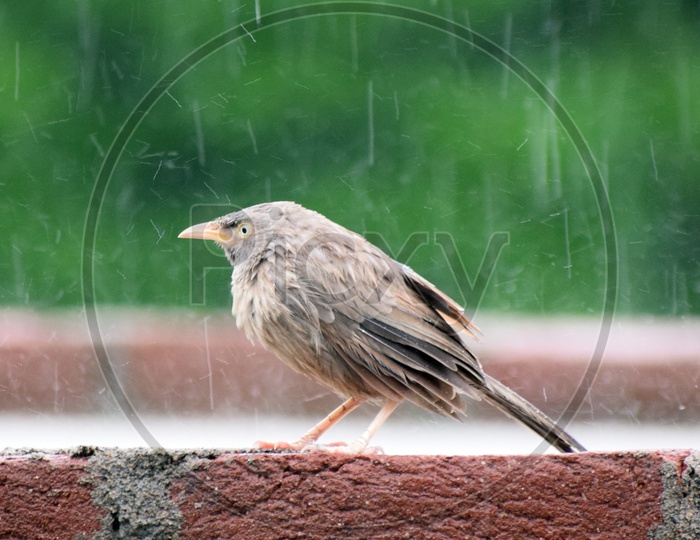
x: 339, y: 310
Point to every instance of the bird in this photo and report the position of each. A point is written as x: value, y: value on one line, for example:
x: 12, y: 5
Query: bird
x: 337, y: 309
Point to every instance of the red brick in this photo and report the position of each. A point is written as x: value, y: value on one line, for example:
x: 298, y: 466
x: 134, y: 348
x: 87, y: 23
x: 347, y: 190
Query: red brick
x: 43, y: 497
x: 209, y: 494
x: 585, y: 496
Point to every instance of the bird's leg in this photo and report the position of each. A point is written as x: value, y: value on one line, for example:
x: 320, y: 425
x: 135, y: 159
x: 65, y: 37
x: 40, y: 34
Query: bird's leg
x: 360, y: 445
x: 311, y: 436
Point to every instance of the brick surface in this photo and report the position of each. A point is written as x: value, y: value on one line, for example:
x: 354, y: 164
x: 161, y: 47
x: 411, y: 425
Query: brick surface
x: 553, y: 497
x: 210, y: 494
x: 43, y: 497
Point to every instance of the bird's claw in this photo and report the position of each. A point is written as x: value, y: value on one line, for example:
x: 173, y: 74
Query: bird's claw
x: 343, y: 448
x: 279, y: 445
x: 355, y: 448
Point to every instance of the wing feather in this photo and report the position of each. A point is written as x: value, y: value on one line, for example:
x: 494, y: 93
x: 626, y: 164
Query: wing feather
x: 451, y: 312
x: 405, y: 333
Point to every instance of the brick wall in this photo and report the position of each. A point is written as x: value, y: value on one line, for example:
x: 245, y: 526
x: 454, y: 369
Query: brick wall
x: 104, y: 493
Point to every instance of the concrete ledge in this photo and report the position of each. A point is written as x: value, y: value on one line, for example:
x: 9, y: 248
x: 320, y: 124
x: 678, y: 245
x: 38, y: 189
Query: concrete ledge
x: 103, y: 493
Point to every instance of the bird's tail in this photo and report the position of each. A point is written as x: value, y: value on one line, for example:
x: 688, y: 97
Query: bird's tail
x: 522, y: 410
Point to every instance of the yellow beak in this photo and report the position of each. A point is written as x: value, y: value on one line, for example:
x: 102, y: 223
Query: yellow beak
x: 206, y: 231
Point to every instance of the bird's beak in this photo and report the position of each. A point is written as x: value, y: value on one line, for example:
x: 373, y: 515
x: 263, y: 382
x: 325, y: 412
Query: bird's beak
x: 207, y: 231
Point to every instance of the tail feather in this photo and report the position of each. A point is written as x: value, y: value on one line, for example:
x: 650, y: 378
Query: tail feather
x: 522, y: 410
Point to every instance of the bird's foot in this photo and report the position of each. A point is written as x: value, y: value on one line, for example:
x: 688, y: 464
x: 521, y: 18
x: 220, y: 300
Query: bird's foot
x: 353, y: 449
x: 295, y: 446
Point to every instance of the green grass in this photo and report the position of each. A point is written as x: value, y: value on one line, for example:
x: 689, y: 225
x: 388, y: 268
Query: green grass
x: 459, y: 145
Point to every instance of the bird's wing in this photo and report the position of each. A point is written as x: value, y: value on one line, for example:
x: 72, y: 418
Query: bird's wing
x: 450, y: 311
x: 403, y: 337
x: 399, y: 324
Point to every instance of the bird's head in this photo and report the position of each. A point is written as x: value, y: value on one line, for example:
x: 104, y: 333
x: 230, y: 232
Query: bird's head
x: 245, y: 233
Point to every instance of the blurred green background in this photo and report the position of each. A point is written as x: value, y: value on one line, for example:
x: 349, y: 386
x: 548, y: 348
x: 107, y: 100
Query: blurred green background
x: 386, y: 126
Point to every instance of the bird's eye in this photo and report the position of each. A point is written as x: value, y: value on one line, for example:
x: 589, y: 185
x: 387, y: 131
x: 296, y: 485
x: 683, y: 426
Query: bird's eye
x: 244, y: 229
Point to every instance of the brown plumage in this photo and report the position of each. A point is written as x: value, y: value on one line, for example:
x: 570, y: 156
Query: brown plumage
x: 339, y: 310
